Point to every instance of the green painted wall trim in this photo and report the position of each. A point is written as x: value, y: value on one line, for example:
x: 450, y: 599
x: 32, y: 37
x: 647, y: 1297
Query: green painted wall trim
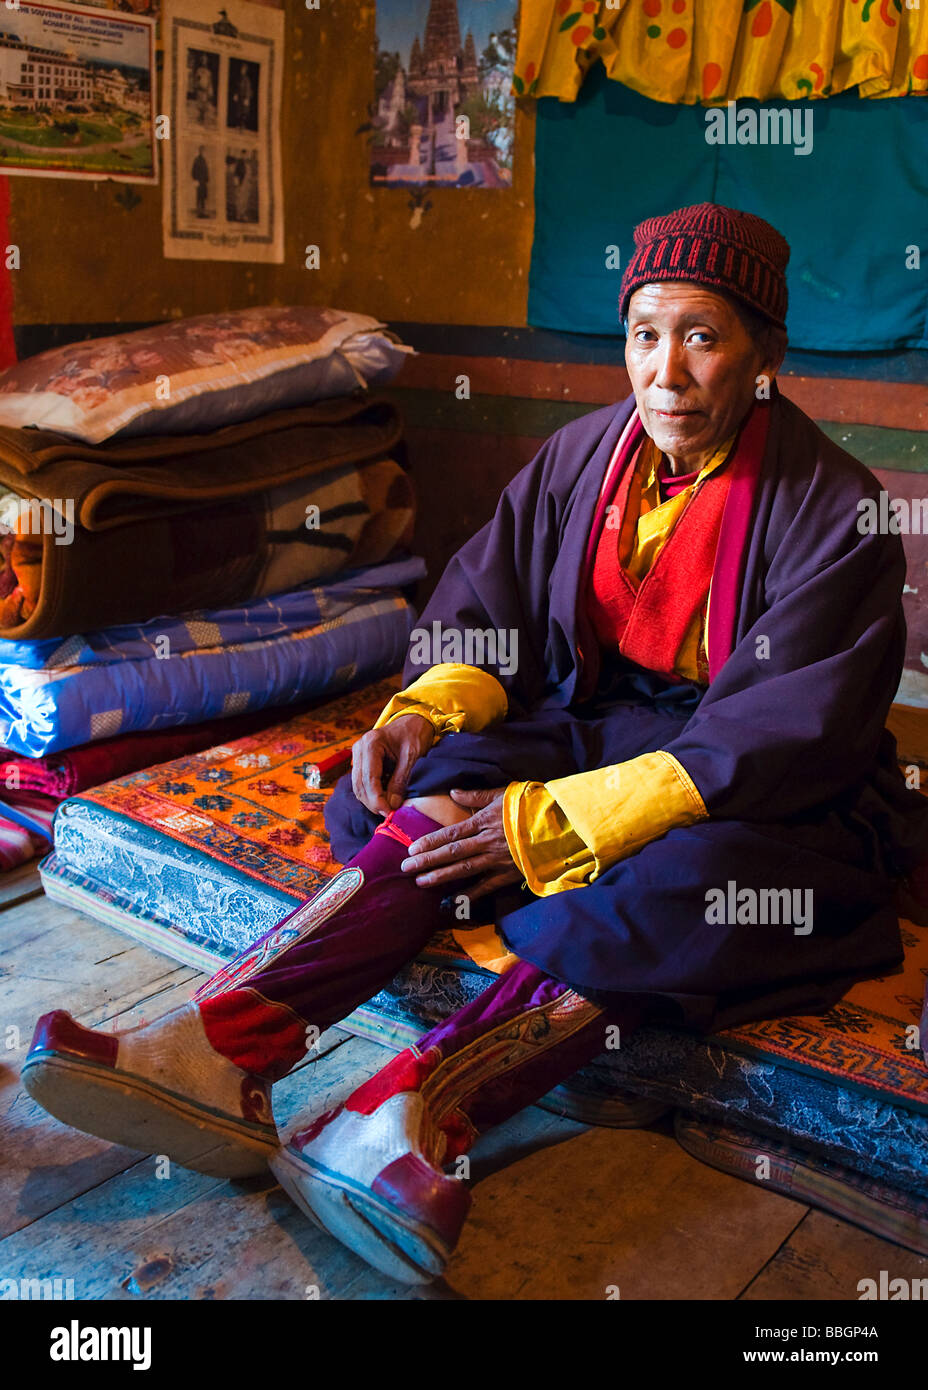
x: 904, y: 450
x: 441, y: 410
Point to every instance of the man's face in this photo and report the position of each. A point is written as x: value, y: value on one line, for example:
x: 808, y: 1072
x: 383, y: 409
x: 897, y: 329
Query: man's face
x: 693, y: 368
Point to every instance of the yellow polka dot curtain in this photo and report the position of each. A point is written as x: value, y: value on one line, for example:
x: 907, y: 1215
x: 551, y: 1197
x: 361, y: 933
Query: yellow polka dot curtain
x: 688, y: 51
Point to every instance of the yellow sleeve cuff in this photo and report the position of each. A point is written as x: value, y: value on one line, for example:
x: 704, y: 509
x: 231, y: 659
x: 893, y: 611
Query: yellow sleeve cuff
x: 565, y: 833
x: 546, y: 849
x: 452, y: 697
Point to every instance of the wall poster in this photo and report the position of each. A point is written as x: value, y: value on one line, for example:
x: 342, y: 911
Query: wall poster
x: 76, y: 89
x: 222, y: 88
x: 443, y: 113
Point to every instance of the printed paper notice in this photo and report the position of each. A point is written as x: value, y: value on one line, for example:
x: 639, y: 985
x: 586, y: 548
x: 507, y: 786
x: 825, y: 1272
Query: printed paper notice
x: 222, y: 86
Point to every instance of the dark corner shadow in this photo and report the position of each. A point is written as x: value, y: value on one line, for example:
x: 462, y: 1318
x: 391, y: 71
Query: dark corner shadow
x: 499, y: 1149
x: 261, y: 1182
x: 505, y: 1151
x: 73, y: 1179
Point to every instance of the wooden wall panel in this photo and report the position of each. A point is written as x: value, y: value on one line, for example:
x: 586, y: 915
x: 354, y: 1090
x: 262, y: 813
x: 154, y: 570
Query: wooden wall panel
x: 91, y: 252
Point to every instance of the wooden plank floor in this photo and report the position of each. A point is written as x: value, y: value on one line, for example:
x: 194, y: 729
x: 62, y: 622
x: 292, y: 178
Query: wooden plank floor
x: 561, y: 1210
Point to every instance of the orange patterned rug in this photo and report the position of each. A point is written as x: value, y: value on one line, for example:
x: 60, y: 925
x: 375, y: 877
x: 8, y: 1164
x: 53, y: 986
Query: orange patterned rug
x: 257, y: 803
x: 869, y: 1039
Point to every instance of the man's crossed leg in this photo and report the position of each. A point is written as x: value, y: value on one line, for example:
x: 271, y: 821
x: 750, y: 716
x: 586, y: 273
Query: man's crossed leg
x: 196, y: 1084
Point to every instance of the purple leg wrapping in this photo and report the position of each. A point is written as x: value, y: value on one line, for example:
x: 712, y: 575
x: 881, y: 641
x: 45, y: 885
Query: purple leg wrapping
x: 524, y: 1035
x: 327, y: 957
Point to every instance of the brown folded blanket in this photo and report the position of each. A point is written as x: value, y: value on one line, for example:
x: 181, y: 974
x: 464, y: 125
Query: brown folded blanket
x: 115, y: 533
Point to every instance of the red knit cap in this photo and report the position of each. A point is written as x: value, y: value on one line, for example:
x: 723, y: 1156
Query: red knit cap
x: 721, y: 248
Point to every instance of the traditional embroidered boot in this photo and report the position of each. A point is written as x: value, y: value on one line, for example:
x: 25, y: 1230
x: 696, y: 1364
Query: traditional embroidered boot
x: 370, y: 1171
x: 195, y: 1085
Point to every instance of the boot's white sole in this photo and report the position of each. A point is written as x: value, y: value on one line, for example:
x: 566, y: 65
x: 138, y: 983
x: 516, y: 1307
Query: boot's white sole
x: 391, y: 1241
x: 130, y: 1110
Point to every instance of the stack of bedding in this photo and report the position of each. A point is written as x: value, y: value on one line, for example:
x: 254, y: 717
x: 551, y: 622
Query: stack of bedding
x: 200, y: 521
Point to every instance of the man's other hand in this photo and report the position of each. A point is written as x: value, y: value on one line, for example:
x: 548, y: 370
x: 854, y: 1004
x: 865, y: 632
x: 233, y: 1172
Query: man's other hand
x: 388, y: 752
x: 476, y: 848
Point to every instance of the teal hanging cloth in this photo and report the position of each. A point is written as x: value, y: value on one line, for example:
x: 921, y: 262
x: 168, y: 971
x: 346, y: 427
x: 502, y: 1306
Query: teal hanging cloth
x: 849, y: 193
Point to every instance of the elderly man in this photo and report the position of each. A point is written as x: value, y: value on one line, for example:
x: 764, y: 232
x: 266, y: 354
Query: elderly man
x: 707, y: 647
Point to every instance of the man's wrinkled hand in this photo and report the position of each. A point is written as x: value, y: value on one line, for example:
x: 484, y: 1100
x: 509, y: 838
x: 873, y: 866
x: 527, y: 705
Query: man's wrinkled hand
x: 390, y: 752
x: 473, y: 848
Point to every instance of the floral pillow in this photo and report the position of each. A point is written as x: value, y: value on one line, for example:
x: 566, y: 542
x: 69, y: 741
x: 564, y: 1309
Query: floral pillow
x: 197, y: 374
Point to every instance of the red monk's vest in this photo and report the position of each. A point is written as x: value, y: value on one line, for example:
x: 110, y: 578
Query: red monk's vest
x: 648, y: 621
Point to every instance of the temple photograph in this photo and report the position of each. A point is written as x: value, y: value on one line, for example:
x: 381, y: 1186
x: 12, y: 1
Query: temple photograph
x: 436, y: 82
x: 463, y: 674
